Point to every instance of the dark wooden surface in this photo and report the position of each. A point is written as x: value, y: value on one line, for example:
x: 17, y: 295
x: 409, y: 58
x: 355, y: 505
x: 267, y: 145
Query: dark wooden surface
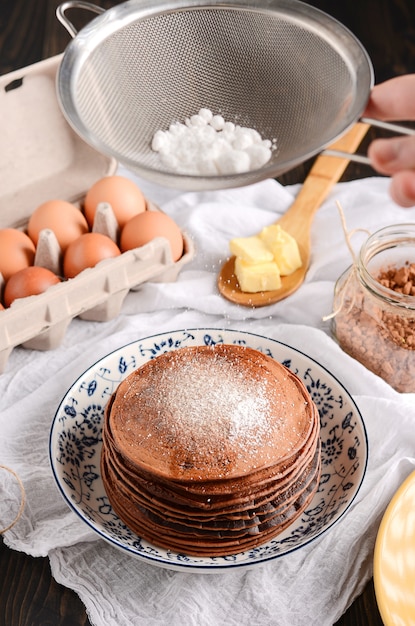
x: 29, y: 32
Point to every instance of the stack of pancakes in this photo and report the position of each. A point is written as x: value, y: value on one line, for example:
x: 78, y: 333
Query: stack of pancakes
x: 210, y: 451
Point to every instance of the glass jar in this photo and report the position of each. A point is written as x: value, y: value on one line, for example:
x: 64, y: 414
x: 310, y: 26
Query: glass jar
x: 374, y: 318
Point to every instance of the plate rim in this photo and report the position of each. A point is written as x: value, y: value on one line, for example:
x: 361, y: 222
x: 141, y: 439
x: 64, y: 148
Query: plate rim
x: 408, y: 482
x: 200, y: 567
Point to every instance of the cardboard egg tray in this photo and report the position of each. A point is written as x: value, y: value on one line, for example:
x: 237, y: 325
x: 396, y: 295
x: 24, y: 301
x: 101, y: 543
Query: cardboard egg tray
x: 42, y: 158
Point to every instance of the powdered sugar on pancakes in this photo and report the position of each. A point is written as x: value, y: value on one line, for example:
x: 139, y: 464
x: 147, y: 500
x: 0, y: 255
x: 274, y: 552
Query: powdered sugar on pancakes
x: 205, y: 399
x: 211, y: 413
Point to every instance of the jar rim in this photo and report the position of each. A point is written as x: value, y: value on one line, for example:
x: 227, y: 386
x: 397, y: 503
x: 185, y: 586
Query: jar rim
x: 383, y: 239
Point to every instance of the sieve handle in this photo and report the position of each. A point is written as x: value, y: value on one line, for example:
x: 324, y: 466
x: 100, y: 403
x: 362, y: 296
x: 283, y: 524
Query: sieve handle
x: 360, y: 158
x: 75, y: 4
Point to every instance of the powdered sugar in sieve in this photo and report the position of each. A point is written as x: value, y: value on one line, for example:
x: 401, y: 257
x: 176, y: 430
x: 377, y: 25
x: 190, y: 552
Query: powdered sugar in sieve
x: 206, y: 145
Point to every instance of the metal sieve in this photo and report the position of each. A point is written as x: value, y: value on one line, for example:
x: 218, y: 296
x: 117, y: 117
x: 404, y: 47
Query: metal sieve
x: 290, y: 71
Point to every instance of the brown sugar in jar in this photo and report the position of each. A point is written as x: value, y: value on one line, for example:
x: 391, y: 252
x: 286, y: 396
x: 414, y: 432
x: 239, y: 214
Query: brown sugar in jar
x: 374, y: 304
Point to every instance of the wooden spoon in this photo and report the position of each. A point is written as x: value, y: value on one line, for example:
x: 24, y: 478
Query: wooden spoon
x: 297, y: 220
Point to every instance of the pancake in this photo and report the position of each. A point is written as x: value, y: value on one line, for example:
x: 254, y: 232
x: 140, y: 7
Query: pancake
x: 210, y: 449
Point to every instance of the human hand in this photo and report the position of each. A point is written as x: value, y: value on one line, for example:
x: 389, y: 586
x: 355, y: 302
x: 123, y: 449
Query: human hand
x: 394, y: 100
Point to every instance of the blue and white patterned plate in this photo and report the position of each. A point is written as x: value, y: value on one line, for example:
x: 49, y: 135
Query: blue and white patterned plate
x: 75, y: 448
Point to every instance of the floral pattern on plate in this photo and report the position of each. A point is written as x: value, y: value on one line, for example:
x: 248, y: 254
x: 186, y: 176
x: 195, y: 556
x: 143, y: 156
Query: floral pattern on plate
x: 76, y: 440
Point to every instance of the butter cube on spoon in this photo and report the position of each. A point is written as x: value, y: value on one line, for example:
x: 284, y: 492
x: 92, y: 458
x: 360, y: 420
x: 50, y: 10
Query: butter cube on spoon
x: 250, y: 249
x: 284, y: 248
x: 255, y: 277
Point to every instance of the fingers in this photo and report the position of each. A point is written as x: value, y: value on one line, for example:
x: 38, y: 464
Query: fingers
x: 395, y: 157
x: 393, y: 99
x: 402, y: 188
x: 389, y: 156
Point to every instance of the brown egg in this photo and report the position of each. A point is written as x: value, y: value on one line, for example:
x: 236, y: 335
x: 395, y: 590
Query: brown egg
x: 144, y: 227
x: 17, y: 251
x: 29, y: 281
x: 87, y: 251
x: 125, y: 198
x: 63, y: 218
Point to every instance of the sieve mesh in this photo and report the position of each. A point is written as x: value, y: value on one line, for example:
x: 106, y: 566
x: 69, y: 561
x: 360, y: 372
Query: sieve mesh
x: 293, y: 77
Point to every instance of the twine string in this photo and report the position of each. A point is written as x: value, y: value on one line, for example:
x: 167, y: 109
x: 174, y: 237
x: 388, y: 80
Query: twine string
x: 22, y: 499
x: 343, y: 289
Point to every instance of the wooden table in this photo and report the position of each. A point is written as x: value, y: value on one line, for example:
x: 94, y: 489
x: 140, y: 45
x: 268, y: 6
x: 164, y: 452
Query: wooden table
x: 29, y: 32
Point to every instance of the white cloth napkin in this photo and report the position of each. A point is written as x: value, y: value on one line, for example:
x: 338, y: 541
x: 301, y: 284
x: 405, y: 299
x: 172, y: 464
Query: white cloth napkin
x: 313, y: 585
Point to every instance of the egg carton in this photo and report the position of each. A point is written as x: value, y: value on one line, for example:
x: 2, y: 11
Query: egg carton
x: 96, y: 294
x: 41, y: 158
